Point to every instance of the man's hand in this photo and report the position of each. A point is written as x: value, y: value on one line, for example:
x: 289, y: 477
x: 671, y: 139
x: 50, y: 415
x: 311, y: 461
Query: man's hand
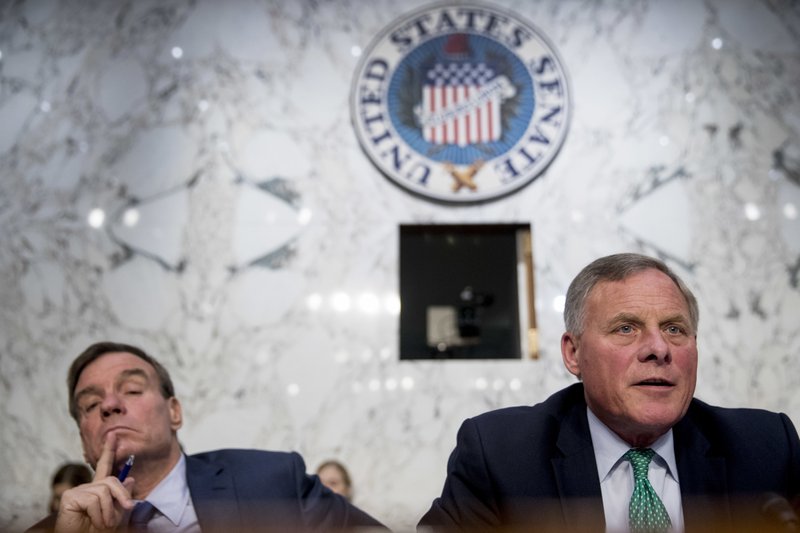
x: 99, y: 505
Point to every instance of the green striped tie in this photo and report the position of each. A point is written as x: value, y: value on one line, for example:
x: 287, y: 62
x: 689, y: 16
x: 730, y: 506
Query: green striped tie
x: 647, y: 513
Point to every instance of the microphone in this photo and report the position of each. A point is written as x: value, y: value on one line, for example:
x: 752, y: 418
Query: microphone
x: 777, y: 510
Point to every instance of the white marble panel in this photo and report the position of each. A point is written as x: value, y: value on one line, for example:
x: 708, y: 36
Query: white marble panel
x: 155, y: 227
x: 157, y: 160
x: 13, y: 113
x: 122, y: 87
x: 269, y: 153
x: 140, y: 295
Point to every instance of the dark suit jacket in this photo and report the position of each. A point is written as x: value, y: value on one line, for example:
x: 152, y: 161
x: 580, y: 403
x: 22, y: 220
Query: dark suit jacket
x: 525, y: 468
x: 254, y: 490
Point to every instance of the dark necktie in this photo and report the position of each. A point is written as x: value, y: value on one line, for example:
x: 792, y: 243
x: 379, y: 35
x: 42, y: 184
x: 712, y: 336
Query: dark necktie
x: 140, y: 516
x: 646, y: 513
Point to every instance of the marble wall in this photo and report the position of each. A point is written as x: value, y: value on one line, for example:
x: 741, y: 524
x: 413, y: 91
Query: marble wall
x: 184, y: 176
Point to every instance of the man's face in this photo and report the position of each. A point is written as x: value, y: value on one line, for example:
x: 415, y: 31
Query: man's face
x: 637, y: 355
x: 119, y: 393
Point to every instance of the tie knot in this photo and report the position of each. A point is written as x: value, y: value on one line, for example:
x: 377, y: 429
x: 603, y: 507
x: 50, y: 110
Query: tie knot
x: 140, y: 516
x: 640, y: 460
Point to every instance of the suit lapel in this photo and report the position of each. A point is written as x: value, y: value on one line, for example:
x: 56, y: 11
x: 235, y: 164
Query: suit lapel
x: 213, y: 496
x: 702, y: 475
x: 576, y: 473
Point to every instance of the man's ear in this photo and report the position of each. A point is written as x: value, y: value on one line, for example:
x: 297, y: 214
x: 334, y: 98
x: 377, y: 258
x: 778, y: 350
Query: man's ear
x: 175, y: 414
x: 570, y: 344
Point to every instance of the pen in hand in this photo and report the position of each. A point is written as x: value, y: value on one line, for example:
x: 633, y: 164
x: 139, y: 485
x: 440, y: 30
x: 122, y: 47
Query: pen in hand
x: 125, y: 468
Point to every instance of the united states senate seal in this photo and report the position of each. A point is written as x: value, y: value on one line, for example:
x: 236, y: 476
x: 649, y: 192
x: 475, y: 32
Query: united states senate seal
x: 460, y: 103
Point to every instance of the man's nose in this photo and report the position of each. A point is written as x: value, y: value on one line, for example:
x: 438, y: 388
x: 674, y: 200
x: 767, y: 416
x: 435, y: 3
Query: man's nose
x: 112, y: 404
x: 655, y: 347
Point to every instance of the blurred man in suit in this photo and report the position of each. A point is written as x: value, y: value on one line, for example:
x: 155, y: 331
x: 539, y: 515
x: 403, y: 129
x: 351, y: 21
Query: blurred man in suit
x: 628, y: 448
x: 124, y: 404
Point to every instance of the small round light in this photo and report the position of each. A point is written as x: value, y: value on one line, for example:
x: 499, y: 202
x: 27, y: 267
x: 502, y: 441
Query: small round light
x: 340, y: 301
x: 391, y: 303
x: 177, y: 52
x: 314, y: 301
x: 368, y: 303
x: 304, y: 216
x: 752, y: 212
x: 96, y: 217
x: 716, y: 43
x: 131, y: 217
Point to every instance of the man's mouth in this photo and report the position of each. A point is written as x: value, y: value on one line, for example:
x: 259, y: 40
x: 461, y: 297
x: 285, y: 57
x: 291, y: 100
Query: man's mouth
x: 654, y: 382
x: 116, y: 428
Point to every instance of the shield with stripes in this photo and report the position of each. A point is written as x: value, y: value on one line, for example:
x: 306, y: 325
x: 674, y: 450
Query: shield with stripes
x: 462, y: 98
x: 461, y: 104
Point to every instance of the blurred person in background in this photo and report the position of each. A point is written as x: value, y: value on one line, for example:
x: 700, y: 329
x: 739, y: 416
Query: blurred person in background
x: 68, y: 475
x: 335, y: 476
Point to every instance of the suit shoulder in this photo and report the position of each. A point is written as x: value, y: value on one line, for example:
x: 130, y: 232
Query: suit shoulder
x: 736, y: 422
x: 732, y: 415
x: 248, y: 458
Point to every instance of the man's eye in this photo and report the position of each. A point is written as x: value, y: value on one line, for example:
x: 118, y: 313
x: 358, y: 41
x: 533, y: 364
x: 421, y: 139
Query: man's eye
x: 133, y: 391
x: 675, y: 330
x: 625, y: 328
x: 90, y: 407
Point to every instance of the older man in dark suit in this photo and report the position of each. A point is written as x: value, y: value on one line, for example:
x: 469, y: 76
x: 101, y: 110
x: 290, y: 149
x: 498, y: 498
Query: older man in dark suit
x: 629, y: 448
x: 124, y: 403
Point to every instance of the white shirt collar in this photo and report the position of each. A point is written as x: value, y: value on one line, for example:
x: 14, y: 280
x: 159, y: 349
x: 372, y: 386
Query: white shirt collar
x: 609, y: 448
x: 163, y: 496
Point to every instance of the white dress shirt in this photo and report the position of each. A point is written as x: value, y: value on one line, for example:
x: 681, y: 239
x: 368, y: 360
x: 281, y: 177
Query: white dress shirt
x: 616, y: 475
x: 174, y: 510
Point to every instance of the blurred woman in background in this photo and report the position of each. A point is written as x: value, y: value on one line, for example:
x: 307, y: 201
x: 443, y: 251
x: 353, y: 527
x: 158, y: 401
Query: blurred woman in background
x: 334, y: 475
x: 67, y: 476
